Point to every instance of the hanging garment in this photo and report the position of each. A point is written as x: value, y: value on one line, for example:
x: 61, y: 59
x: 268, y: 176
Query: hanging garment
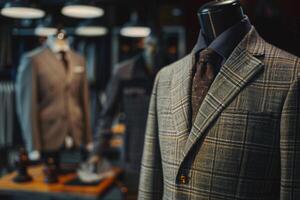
x: 7, y: 115
x: 6, y: 56
x: 128, y: 92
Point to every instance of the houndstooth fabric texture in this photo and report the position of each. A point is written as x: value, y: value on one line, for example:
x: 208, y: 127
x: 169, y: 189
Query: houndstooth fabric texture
x: 245, y: 141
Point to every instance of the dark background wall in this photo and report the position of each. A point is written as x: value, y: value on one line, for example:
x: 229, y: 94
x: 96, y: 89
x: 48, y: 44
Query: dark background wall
x: 278, y: 22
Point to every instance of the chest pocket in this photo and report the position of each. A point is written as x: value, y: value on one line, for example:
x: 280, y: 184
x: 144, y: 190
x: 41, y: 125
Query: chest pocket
x: 241, y: 143
x: 76, y: 79
x: 248, y: 128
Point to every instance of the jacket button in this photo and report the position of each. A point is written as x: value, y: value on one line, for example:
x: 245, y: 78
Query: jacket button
x: 183, y: 179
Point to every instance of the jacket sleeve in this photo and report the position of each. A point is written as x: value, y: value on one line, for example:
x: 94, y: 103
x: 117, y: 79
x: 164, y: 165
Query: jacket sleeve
x: 85, y: 96
x: 110, y: 108
x: 26, y: 104
x: 290, y: 144
x: 151, y: 177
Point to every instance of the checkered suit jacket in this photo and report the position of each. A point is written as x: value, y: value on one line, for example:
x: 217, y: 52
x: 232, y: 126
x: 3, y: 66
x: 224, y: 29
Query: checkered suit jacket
x: 245, y: 141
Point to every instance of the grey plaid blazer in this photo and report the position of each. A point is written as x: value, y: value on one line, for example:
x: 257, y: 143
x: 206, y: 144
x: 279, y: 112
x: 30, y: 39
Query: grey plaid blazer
x: 245, y: 141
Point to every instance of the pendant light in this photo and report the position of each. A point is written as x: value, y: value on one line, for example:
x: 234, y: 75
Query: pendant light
x: 21, y: 10
x: 91, y: 28
x: 135, y: 28
x: 45, y: 31
x: 45, y: 27
x: 81, y: 10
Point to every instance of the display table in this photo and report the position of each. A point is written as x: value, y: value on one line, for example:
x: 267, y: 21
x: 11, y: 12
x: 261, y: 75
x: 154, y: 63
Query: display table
x: 59, y: 190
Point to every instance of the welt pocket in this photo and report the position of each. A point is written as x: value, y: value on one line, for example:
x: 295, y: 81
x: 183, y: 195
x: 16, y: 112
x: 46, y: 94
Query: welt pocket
x: 255, y: 118
x: 249, y: 127
x: 77, y: 74
x: 248, y: 112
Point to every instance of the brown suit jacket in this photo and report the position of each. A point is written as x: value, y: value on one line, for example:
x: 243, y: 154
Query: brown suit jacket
x: 245, y: 141
x: 51, y: 101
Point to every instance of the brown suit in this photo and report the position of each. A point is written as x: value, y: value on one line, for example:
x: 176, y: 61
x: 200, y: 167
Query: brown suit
x: 51, y: 101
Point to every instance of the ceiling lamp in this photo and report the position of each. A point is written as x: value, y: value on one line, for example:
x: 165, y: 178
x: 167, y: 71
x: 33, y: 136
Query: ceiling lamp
x: 91, y: 31
x: 77, y: 10
x: 91, y: 28
x: 21, y: 10
x: 45, y: 27
x: 135, y: 28
x: 137, y: 31
x: 45, y: 31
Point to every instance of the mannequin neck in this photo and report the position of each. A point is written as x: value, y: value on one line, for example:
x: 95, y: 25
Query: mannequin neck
x: 57, y: 45
x: 217, y: 16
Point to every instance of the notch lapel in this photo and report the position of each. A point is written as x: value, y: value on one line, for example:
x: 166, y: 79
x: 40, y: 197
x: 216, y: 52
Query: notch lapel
x: 239, y: 69
x: 180, y: 97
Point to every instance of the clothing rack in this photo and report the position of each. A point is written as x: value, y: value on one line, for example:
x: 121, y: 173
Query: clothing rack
x: 8, y: 121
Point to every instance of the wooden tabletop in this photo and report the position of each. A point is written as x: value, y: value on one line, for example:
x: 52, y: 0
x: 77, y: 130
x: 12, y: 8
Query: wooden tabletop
x: 37, y: 185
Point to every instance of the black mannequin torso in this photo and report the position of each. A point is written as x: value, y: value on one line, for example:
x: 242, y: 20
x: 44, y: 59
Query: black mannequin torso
x: 217, y: 16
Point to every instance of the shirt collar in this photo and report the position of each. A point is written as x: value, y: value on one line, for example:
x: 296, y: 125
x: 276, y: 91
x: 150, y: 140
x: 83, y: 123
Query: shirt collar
x: 225, y: 43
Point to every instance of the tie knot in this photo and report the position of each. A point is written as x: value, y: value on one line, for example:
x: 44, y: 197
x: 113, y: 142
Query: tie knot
x: 209, y: 55
x: 62, y: 53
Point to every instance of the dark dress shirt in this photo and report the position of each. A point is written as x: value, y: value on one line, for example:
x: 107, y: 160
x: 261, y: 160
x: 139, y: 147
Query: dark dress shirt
x: 225, y: 43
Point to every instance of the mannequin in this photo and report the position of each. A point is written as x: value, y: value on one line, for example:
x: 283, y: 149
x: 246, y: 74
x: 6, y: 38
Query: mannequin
x: 53, y: 100
x: 217, y: 16
x: 128, y: 92
x: 57, y: 43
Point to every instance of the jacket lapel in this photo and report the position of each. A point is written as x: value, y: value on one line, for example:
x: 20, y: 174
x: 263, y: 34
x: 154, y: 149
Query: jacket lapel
x: 239, y: 69
x: 59, y: 68
x: 54, y: 62
x: 71, y: 64
x: 180, y: 97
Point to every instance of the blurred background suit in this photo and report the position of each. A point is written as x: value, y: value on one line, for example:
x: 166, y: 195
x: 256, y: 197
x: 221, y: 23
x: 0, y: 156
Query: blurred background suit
x: 52, y: 99
x: 128, y: 92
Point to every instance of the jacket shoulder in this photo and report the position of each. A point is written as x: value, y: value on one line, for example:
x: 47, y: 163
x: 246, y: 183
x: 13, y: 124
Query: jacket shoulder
x: 124, y: 68
x: 166, y: 73
x: 279, y: 60
x: 27, y: 60
x: 34, y: 53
